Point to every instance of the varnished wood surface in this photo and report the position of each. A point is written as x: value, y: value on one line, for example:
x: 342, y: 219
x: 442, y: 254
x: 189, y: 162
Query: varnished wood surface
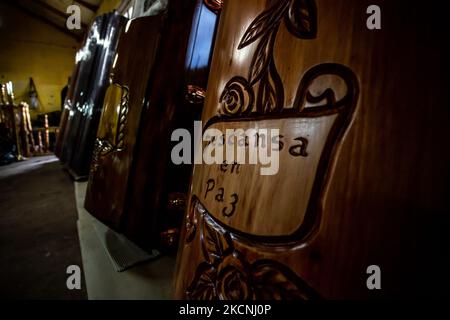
x: 65, y: 112
x: 290, y: 188
x: 132, y: 184
x: 92, y: 108
x: 82, y: 86
x: 154, y: 178
x: 108, y: 181
x: 80, y: 117
x: 384, y: 195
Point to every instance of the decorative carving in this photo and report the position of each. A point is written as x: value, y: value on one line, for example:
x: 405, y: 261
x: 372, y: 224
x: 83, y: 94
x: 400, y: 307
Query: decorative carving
x: 102, y: 146
x: 123, y: 112
x: 237, y: 97
x: 312, y: 100
x: 300, y: 17
x: 191, y: 220
x: 226, y: 274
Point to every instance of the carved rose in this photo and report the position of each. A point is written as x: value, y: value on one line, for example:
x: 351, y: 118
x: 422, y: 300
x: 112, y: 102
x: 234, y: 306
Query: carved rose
x: 232, y: 279
x: 300, y: 18
x: 225, y: 274
x: 237, y: 97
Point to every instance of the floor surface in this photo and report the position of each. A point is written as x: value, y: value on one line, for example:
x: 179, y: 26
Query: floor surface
x: 44, y: 229
x: 38, y: 231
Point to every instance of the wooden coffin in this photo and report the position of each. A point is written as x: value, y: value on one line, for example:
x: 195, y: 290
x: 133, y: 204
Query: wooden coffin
x: 66, y: 111
x: 78, y: 91
x: 158, y: 188
x: 86, y: 99
x: 132, y: 186
x: 357, y: 206
x: 116, y: 136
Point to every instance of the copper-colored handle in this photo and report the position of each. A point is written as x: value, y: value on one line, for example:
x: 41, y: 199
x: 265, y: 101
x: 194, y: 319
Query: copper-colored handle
x: 214, y: 5
x: 177, y: 201
x: 195, y: 94
x: 169, y: 238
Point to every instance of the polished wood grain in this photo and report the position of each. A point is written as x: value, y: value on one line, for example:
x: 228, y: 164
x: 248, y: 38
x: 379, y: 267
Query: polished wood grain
x: 79, y: 105
x: 382, y: 183
x: 133, y: 187
x: 156, y: 181
x: 108, y: 180
x: 94, y: 95
x: 66, y: 111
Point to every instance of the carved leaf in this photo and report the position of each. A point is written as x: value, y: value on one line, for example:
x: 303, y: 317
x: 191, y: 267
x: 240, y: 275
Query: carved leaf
x: 301, y: 19
x: 233, y: 282
x: 271, y: 92
x: 262, y: 57
x: 264, y: 23
x: 275, y: 281
x: 215, y: 244
x: 203, y: 287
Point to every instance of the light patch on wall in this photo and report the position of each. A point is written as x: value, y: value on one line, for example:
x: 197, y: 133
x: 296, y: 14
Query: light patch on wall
x: 34, y: 49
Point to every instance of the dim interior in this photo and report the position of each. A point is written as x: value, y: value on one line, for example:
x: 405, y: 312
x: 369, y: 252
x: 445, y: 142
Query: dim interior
x: 223, y: 150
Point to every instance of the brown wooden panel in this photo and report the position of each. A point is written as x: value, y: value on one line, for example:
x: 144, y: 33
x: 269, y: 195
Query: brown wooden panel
x: 183, y: 63
x: 84, y: 103
x: 133, y: 186
x: 114, y: 147
x: 65, y: 112
x: 376, y: 195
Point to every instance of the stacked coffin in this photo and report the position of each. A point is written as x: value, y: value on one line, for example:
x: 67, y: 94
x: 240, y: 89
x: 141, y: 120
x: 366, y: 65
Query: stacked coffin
x: 84, y: 100
x: 134, y: 83
x: 156, y: 85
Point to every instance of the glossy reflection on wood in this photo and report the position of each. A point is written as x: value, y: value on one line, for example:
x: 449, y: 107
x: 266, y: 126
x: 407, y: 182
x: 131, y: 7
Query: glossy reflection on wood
x: 363, y: 185
x: 112, y: 160
x: 157, y: 183
x: 133, y: 185
x: 84, y: 101
x: 65, y: 112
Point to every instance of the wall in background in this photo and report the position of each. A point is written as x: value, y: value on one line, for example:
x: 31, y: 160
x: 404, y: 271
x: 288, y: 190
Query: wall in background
x: 107, y: 6
x: 32, y: 48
